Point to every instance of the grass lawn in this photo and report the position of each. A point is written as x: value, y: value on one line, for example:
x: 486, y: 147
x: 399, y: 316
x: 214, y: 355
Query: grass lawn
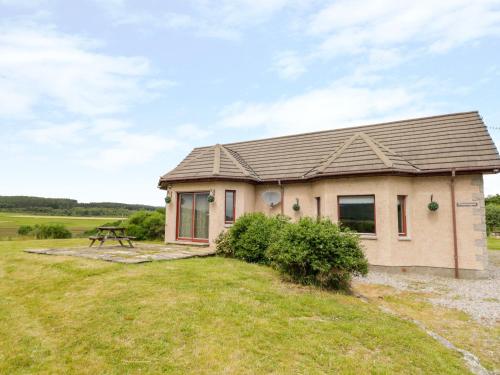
x: 195, y: 316
x: 493, y: 243
x: 10, y: 222
x: 456, y: 326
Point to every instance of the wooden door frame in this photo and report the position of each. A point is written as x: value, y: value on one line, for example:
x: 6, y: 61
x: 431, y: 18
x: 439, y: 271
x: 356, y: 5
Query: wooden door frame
x: 178, y: 216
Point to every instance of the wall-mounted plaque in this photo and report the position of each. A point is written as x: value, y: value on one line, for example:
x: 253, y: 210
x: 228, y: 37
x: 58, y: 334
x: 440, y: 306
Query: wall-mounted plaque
x: 466, y: 204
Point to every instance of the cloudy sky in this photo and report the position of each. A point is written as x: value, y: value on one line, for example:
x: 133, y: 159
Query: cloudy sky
x: 99, y: 98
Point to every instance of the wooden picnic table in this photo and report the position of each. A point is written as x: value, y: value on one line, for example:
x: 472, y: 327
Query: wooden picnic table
x: 111, y: 233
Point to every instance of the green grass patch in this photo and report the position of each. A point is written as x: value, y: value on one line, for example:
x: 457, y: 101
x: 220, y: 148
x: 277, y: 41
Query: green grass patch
x: 493, y: 243
x: 456, y: 326
x: 10, y: 223
x: 193, y: 316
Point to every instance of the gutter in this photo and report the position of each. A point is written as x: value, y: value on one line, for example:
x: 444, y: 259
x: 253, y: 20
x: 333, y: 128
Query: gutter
x: 454, y: 218
x: 380, y: 172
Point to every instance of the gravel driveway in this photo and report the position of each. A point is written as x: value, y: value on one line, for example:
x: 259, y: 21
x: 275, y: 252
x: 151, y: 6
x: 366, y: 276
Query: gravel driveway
x: 479, y: 298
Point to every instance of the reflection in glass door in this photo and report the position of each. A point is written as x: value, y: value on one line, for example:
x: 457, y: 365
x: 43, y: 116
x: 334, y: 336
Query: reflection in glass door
x: 201, y: 216
x: 192, y: 212
x: 185, y: 215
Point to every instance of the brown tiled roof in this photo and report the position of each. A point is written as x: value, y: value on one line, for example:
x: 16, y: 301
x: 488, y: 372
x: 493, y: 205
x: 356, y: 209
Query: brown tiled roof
x: 418, y: 146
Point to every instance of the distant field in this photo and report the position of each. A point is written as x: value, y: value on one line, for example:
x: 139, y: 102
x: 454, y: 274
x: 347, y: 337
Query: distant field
x: 493, y: 243
x: 10, y: 222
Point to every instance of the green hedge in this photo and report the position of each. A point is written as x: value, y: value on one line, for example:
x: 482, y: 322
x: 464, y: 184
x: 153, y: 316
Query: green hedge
x: 144, y: 225
x: 492, y: 217
x: 250, y: 236
x: 309, y: 251
x: 44, y: 231
x: 24, y: 230
x: 318, y: 252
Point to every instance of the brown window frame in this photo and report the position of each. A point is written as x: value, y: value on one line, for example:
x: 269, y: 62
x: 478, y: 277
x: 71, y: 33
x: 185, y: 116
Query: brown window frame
x: 178, y: 216
x: 234, y: 206
x: 403, y: 233
x: 374, y: 210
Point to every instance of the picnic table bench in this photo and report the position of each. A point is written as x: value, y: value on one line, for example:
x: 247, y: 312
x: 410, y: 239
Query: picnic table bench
x: 111, y: 233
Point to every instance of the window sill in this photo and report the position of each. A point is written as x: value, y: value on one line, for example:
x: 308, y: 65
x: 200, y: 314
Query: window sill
x: 367, y: 236
x: 228, y: 225
x: 404, y: 238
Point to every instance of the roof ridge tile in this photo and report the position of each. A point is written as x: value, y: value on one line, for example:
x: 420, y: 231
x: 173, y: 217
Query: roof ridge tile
x: 234, y: 156
x: 216, y: 168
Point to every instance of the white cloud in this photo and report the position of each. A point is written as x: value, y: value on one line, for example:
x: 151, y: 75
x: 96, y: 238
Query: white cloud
x: 22, y: 3
x: 129, y: 149
x: 42, y: 67
x: 289, y: 65
x: 191, y: 131
x: 55, y: 134
x: 108, y: 142
x: 339, y: 105
x: 207, y: 18
x: 397, y: 29
x: 381, y: 23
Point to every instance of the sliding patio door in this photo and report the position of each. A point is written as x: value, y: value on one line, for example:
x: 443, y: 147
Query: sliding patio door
x: 192, y: 216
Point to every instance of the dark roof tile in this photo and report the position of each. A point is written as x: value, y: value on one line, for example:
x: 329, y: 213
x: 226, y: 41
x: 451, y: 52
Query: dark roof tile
x: 415, y: 146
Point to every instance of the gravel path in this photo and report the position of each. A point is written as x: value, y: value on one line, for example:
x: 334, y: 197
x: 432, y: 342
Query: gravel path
x: 479, y: 298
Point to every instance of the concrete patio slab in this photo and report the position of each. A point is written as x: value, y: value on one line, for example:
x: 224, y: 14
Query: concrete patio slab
x: 141, y: 253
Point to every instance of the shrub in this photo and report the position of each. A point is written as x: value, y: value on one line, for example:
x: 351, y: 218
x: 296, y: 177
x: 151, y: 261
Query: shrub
x: 251, y: 235
x: 154, y: 226
x: 24, y: 230
x: 93, y: 232
x: 318, y: 252
x: 223, y: 244
x: 146, y: 225
x: 136, y: 231
x: 46, y: 231
x: 493, y: 199
x: 492, y: 217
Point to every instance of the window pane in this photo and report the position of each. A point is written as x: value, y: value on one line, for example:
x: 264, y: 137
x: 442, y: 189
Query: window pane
x: 201, y: 216
x: 357, y: 200
x: 358, y: 213
x: 229, y: 216
x: 186, y: 215
x: 401, y: 215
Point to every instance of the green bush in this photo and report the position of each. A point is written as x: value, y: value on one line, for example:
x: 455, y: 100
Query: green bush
x: 146, y: 225
x: 251, y: 235
x: 46, y: 231
x: 24, y: 230
x: 223, y: 245
x: 492, y: 217
x: 154, y: 226
x: 136, y: 231
x: 318, y: 252
x: 93, y: 232
x: 492, y: 199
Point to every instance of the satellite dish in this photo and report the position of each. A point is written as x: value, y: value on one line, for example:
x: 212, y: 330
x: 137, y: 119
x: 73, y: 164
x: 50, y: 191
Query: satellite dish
x: 272, y: 198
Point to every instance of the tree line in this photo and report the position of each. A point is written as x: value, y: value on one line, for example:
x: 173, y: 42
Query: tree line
x: 493, y: 213
x: 68, y: 207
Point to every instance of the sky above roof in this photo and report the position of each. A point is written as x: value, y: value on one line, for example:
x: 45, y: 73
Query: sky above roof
x: 100, y: 98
